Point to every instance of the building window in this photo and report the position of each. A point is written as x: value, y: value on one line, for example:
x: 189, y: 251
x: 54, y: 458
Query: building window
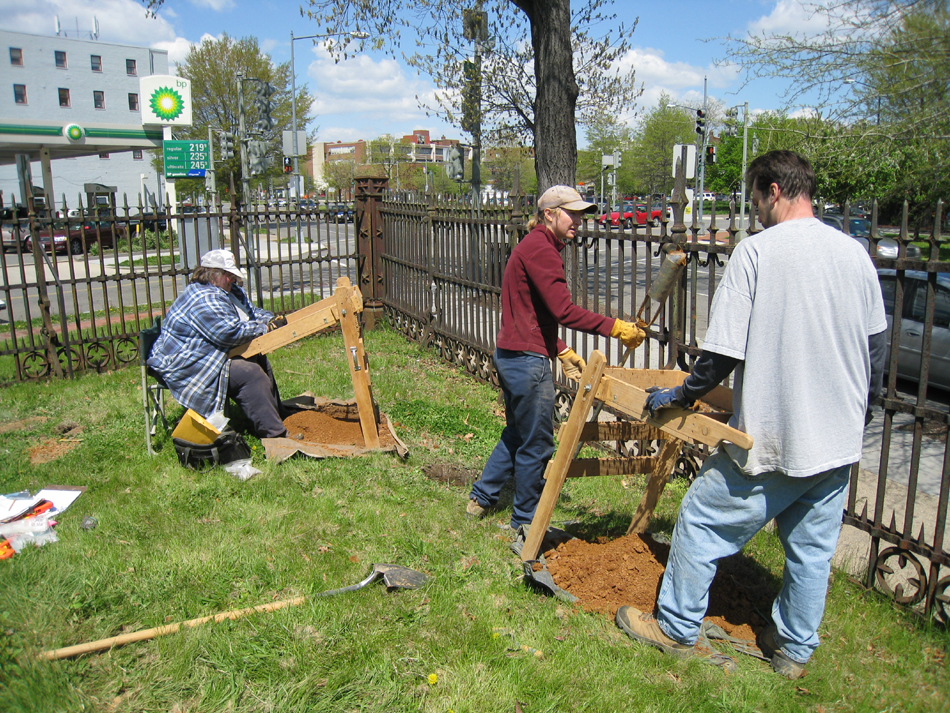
x: 136, y: 154
x: 63, y: 97
x: 133, y: 102
x: 19, y: 93
x: 99, y: 100
x: 130, y: 67
x: 16, y: 56
x: 103, y: 155
x: 96, y: 61
x: 60, y: 59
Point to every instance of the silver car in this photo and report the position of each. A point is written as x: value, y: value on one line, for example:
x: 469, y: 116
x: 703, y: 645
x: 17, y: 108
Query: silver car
x: 912, y: 325
x: 860, y: 229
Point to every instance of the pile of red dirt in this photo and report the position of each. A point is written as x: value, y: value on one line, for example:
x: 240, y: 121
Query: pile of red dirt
x: 627, y: 571
x: 334, y: 424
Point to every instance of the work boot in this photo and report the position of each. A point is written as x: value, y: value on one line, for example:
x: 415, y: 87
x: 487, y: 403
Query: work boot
x: 781, y: 664
x: 473, y: 509
x: 643, y: 626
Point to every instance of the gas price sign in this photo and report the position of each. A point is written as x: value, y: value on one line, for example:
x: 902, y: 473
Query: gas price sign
x: 186, y: 159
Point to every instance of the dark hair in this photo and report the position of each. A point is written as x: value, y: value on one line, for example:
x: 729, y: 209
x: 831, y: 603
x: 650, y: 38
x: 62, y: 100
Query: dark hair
x: 789, y: 170
x: 206, y: 275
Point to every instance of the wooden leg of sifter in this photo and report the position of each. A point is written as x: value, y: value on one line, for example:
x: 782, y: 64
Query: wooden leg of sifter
x: 658, y: 480
x: 359, y: 372
x: 556, y: 472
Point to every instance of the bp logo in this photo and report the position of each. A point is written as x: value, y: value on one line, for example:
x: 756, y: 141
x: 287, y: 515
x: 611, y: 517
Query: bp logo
x: 166, y: 103
x: 74, y: 132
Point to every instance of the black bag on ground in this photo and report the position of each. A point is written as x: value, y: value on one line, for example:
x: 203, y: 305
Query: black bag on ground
x: 227, y: 448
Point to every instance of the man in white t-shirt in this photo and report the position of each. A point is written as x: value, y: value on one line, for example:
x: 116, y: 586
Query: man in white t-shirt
x: 800, y: 319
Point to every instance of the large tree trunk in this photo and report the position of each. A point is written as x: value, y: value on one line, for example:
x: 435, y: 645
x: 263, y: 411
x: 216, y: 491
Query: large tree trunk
x: 555, y: 135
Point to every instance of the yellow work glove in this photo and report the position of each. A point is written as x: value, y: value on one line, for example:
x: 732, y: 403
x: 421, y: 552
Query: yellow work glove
x: 628, y: 333
x: 572, y: 364
x: 276, y: 323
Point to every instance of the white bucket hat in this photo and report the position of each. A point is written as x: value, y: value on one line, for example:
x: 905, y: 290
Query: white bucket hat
x: 223, y: 260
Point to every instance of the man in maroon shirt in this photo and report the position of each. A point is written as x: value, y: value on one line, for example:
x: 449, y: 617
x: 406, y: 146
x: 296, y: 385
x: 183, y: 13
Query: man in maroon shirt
x: 534, y: 301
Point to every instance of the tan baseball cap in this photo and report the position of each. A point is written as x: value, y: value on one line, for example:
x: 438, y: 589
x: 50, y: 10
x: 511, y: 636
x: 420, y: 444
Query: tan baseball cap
x: 223, y: 260
x: 563, y: 197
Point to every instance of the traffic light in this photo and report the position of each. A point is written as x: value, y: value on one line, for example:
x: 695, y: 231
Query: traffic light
x: 288, y: 165
x: 700, y: 122
x: 455, y: 164
x: 471, y: 97
x: 257, y: 157
x: 710, y: 155
x: 227, y: 145
x: 262, y: 92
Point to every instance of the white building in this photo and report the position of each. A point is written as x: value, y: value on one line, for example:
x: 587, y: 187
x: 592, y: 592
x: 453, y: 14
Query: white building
x: 77, y: 101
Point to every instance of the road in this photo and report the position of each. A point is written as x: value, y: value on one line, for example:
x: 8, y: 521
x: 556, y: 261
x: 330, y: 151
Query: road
x: 109, y: 280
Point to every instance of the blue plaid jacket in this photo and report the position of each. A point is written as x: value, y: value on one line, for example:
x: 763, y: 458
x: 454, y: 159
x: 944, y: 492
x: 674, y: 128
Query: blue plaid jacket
x: 191, y: 353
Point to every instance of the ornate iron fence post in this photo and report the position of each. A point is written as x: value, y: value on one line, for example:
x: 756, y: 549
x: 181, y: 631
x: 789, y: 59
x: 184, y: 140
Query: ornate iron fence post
x: 370, y: 181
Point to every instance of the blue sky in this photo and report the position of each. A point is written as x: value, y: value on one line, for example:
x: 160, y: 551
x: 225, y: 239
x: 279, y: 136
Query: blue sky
x: 674, y: 47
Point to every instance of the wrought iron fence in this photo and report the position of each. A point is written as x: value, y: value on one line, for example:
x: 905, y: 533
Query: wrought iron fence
x: 79, y: 288
x: 440, y: 270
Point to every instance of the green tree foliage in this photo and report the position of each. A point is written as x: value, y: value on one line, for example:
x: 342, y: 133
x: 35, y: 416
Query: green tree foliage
x: 545, y: 66
x: 504, y: 165
x: 392, y: 154
x: 213, y: 67
x: 660, y: 129
x: 877, y: 76
x: 338, y: 175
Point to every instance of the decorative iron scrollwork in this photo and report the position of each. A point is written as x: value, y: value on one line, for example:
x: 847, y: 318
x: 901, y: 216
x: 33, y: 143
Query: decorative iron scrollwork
x: 894, y: 580
x: 98, y: 356
x: 942, y: 600
x: 126, y: 350
x: 35, y: 365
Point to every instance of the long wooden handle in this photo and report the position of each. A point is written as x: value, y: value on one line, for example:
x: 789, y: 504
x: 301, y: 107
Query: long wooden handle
x: 69, y: 651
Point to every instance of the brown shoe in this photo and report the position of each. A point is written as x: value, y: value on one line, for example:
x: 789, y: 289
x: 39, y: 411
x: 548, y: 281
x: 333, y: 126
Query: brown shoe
x: 781, y: 664
x: 473, y: 509
x: 642, y: 626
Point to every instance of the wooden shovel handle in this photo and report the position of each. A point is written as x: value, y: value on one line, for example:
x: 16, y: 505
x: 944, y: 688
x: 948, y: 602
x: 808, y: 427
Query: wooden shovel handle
x: 144, y: 634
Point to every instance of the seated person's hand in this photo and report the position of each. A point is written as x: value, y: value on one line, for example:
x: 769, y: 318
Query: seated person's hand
x: 277, y: 322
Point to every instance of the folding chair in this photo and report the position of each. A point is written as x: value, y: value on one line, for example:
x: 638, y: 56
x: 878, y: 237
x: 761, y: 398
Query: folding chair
x: 153, y: 387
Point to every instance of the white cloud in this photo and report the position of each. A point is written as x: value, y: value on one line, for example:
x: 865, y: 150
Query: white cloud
x: 789, y: 17
x: 120, y: 21
x: 216, y: 5
x: 376, y: 92
x: 681, y: 81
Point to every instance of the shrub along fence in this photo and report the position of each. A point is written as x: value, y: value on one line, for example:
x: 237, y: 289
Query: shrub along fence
x: 433, y: 267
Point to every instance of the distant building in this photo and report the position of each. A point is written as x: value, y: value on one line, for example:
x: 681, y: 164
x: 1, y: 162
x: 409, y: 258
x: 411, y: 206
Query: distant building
x: 422, y: 150
x: 51, y: 83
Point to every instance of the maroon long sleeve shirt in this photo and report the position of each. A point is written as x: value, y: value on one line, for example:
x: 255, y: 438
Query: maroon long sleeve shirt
x: 535, y: 299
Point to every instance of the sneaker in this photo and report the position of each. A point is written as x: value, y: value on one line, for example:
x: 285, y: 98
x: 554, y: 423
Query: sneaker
x: 643, y: 626
x: 473, y: 509
x: 781, y: 664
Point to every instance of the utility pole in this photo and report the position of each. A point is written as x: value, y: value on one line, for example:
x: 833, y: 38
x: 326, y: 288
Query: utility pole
x: 745, y: 154
x: 210, y: 183
x: 703, y: 138
x: 242, y: 138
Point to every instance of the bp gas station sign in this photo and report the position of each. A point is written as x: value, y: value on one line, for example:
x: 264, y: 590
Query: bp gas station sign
x: 186, y: 159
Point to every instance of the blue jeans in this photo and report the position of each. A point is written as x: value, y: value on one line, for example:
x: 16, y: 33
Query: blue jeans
x: 527, y: 442
x: 721, y: 512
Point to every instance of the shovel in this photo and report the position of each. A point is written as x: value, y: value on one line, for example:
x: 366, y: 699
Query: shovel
x: 394, y: 576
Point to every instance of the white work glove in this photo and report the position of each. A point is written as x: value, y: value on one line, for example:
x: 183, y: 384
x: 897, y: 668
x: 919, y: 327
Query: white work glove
x: 572, y: 364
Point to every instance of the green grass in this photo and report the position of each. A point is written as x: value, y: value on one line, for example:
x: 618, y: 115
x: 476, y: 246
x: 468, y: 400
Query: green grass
x: 174, y: 544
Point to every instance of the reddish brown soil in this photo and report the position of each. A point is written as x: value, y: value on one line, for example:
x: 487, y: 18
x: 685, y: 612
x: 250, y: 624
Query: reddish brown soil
x: 627, y: 570
x: 333, y: 424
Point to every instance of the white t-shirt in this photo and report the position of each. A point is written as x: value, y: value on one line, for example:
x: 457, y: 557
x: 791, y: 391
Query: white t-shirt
x: 796, y: 304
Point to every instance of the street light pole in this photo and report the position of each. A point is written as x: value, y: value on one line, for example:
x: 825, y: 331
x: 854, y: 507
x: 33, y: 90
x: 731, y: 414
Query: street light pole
x: 293, y: 92
x: 745, y: 154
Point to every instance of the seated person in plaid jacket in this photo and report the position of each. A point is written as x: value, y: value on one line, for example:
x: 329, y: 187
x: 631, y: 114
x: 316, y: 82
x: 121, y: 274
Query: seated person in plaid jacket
x: 210, y: 317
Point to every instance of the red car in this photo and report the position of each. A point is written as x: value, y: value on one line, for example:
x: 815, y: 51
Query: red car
x: 632, y: 212
x: 76, y: 239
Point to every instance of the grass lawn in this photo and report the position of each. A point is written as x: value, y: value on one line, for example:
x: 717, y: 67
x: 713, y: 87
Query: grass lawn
x: 175, y: 544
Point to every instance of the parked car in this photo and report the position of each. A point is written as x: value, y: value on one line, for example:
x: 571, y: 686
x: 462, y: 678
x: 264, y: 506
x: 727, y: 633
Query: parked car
x: 103, y: 232
x: 912, y: 324
x: 149, y: 221
x: 14, y: 234
x: 860, y: 230
x: 77, y: 239
x: 340, y: 213
x: 631, y: 212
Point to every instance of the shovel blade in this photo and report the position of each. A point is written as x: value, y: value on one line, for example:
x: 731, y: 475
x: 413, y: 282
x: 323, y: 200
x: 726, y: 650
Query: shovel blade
x: 396, y: 577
